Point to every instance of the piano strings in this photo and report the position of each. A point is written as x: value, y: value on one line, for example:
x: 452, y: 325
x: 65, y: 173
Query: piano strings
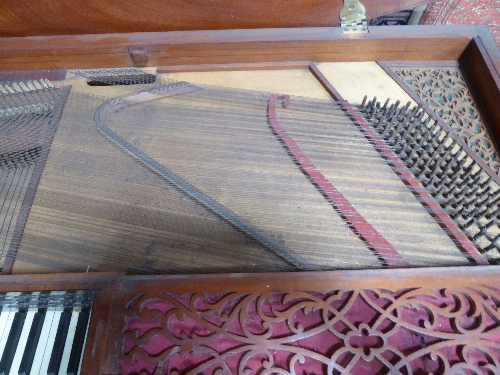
x: 221, y: 142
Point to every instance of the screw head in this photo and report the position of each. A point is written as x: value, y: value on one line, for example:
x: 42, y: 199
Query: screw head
x: 351, y: 6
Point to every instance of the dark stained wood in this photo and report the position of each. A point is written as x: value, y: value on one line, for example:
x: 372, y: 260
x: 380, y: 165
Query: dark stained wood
x: 138, y: 54
x: 236, y: 46
x: 423, y: 64
x: 483, y: 79
x: 53, y: 17
x: 490, y: 46
x: 55, y: 281
x: 324, y: 82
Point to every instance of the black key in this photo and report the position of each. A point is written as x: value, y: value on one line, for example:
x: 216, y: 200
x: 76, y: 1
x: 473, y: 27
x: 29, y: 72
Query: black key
x: 12, y: 341
x: 32, y: 343
x: 60, y: 340
x: 76, y: 349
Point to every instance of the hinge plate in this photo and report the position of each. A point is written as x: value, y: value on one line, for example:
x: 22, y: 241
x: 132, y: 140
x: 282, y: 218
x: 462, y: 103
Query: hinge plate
x: 353, y: 18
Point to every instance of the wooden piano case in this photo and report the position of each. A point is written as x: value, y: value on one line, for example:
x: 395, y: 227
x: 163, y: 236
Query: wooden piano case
x: 380, y: 321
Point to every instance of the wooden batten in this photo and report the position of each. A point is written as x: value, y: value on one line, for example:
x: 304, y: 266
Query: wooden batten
x: 236, y: 46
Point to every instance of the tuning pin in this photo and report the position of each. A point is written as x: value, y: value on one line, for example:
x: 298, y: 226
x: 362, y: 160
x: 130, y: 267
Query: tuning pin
x: 24, y: 88
x: 9, y: 89
x: 362, y: 106
x: 48, y: 84
x: 37, y: 85
x: 386, y: 104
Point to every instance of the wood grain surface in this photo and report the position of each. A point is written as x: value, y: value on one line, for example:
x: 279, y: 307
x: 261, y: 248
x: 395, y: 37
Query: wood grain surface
x: 53, y: 17
x: 484, y: 82
x: 322, y: 44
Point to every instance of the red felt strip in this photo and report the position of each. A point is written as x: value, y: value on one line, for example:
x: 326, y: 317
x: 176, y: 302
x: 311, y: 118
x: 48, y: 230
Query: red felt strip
x: 426, y: 199
x: 364, y: 229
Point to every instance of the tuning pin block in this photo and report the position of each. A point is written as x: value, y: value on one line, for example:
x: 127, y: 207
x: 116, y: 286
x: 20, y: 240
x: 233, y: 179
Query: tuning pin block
x: 469, y: 194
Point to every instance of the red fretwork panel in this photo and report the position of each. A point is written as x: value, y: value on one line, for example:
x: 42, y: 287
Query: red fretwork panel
x: 416, y: 330
x: 398, y: 321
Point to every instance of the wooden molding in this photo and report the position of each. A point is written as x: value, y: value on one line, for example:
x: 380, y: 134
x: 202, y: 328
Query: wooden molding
x: 236, y: 47
x: 482, y: 76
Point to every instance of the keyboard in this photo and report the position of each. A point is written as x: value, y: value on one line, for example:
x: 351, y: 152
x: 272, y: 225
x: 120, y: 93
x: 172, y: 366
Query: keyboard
x: 43, y: 333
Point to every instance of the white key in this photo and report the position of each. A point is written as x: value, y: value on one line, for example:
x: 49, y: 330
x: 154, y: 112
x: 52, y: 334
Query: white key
x: 49, y: 344
x: 23, y: 339
x: 6, y: 319
x: 69, y: 341
x: 3, y: 320
x: 43, y: 342
x: 84, y: 342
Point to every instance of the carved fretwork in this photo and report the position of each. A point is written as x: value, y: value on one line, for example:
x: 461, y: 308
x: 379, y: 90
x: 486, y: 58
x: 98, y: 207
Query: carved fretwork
x: 444, y: 90
x: 413, y: 330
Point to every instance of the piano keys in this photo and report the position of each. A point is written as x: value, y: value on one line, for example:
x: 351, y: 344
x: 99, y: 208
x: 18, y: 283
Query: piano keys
x: 43, y: 333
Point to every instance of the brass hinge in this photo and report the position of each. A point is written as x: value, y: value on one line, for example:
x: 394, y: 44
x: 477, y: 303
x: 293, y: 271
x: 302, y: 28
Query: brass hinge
x: 353, y: 18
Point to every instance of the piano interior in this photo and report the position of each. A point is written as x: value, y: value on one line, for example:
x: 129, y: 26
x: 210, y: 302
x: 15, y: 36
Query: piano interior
x: 156, y: 185
x: 147, y: 171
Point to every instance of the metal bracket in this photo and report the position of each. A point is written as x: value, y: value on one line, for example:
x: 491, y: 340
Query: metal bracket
x: 353, y: 18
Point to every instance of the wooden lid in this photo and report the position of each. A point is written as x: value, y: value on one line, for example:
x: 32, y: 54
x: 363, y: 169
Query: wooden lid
x: 56, y: 17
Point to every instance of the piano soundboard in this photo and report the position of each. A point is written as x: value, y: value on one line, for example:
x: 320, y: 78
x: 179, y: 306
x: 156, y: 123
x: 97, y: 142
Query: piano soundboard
x: 149, y: 172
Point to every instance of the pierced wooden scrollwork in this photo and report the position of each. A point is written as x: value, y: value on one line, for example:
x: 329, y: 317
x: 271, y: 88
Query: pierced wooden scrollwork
x: 359, y: 331
x: 444, y: 90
